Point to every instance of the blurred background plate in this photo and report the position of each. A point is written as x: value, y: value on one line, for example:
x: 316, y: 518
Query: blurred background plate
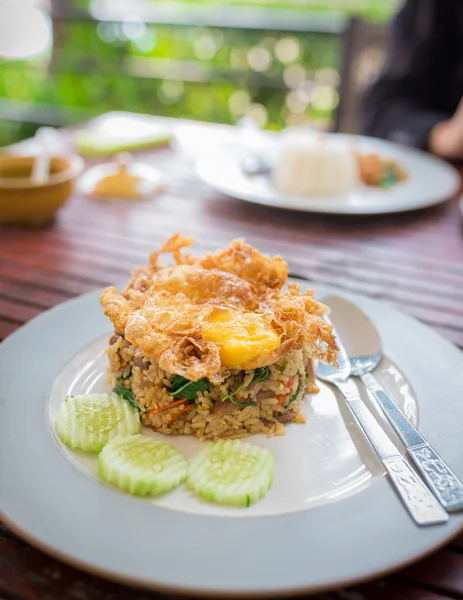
x: 430, y: 181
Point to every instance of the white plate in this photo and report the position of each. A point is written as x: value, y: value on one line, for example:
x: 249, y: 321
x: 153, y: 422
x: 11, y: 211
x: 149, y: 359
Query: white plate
x: 430, y: 181
x: 330, y: 514
x: 340, y: 462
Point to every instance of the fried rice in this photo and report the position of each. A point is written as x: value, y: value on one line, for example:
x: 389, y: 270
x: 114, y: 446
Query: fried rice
x: 162, y: 344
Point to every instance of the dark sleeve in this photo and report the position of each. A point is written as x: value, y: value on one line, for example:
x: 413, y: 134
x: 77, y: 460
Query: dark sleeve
x: 403, y: 105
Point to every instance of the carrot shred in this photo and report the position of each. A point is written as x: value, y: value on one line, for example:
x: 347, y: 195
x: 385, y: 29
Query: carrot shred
x: 181, y: 412
x: 171, y: 405
x: 281, y: 399
x: 290, y: 383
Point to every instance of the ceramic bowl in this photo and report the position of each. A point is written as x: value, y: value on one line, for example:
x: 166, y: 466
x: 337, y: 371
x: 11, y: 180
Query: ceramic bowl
x: 25, y: 202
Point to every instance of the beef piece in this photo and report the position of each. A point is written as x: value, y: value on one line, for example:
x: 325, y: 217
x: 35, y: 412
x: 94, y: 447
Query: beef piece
x: 138, y: 362
x: 264, y: 394
x: 224, y: 408
x: 286, y: 417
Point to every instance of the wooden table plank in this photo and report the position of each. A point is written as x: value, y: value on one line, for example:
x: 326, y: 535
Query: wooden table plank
x: 355, y: 266
x: 424, y: 303
x: 17, y: 312
x: 54, y: 282
x: 7, y: 328
x: 30, y: 575
x: 86, y: 270
x: 32, y: 295
x: 393, y: 589
x: 457, y: 543
x: 442, y: 571
x: 442, y: 307
x: 413, y: 261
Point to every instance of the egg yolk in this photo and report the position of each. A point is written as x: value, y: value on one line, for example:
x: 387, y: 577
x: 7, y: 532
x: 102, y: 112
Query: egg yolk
x: 241, y: 337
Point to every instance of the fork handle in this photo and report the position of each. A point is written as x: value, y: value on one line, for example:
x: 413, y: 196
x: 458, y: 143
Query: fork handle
x: 434, y: 470
x: 417, y: 498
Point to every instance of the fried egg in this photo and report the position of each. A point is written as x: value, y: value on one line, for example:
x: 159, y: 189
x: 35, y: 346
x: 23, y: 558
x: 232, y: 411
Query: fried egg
x: 229, y: 310
x: 241, y: 337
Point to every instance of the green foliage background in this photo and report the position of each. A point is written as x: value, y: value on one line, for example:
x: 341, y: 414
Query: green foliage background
x: 181, y: 71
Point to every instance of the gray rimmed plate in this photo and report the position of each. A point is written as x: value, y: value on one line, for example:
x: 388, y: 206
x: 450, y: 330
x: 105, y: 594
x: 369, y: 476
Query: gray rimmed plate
x: 330, y: 519
x: 430, y: 181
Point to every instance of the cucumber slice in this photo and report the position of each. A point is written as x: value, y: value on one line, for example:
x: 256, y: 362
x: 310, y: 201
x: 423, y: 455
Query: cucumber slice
x: 89, y: 422
x: 231, y: 472
x: 142, y: 466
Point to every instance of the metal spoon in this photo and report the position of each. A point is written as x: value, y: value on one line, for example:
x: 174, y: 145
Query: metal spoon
x: 255, y: 161
x: 365, y: 352
x: 256, y: 164
x: 46, y: 138
x: 420, y: 503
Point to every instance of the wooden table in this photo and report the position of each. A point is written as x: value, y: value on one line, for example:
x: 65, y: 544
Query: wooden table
x: 413, y: 261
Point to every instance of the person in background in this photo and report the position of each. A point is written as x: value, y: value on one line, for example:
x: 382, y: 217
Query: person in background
x: 417, y: 99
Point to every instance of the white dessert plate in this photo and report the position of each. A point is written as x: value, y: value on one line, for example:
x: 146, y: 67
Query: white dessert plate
x: 430, y: 181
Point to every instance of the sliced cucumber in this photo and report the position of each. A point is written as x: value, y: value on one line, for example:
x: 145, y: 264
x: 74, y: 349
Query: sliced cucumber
x: 142, y: 466
x: 89, y: 422
x: 231, y: 472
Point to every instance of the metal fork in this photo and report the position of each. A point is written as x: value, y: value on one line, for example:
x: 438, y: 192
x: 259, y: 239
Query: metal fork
x: 417, y: 498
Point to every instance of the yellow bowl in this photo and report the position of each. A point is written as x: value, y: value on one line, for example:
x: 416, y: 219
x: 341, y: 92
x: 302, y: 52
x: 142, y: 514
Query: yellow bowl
x: 25, y: 202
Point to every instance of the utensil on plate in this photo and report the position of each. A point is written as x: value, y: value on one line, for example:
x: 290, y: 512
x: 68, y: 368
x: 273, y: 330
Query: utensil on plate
x: 254, y: 161
x: 417, y: 498
x: 365, y: 351
x: 46, y: 138
x: 24, y: 202
x: 256, y: 164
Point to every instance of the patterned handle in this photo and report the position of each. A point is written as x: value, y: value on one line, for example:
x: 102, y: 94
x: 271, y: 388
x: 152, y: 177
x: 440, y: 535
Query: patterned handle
x: 418, y: 499
x: 437, y: 474
x: 421, y: 504
x: 440, y: 478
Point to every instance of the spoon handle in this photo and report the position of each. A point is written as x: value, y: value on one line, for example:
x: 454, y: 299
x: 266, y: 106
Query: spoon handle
x: 46, y: 137
x: 434, y: 470
x: 420, y: 503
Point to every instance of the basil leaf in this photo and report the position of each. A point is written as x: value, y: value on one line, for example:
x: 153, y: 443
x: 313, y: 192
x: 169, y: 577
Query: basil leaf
x: 184, y: 388
x: 127, y: 395
x: 231, y: 395
x: 389, y: 178
x: 302, y: 378
x: 261, y: 374
x: 294, y: 396
x: 250, y: 403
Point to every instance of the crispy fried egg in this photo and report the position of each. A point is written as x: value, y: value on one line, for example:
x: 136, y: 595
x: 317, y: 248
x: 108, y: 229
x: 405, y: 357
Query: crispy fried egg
x: 231, y: 309
x: 241, y: 337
